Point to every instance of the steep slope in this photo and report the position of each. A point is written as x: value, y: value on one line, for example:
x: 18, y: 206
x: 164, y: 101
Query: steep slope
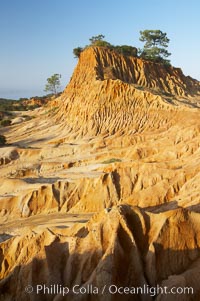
x: 102, y: 64
x: 109, y: 93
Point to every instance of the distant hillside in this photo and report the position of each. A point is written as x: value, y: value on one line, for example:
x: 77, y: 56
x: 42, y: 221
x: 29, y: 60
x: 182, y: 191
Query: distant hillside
x: 15, y: 105
x: 9, y: 107
x: 24, y: 104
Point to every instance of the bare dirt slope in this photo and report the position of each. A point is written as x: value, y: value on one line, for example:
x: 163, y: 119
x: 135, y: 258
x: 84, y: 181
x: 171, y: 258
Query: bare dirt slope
x: 124, y: 137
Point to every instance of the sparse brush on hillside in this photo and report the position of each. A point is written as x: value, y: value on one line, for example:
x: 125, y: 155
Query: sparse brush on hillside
x: 23, y: 104
x: 9, y: 105
x: 99, y: 41
x: 154, y: 49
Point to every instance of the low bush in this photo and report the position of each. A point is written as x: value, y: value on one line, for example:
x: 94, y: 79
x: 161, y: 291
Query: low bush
x: 112, y: 160
x: 5, y: 122
x: 2, y: 140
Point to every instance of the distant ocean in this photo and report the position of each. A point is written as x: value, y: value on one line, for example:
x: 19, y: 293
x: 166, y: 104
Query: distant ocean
x: 17, y: 94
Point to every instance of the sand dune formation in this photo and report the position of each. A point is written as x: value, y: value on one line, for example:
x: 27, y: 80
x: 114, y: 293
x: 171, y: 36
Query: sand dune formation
x: 102, y: 187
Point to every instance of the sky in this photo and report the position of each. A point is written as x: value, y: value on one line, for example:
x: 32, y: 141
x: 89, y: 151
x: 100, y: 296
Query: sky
x: 37, y: 37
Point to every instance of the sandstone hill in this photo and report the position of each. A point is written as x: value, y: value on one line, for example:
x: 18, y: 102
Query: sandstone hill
x: 103, y: 185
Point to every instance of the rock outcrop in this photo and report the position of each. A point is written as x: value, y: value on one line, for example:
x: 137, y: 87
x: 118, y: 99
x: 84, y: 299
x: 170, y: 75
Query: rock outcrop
x: 122, y: 247
x: 103, y: 64
x: 97, y: 103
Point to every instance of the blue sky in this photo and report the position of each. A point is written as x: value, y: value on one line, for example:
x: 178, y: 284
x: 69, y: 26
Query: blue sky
x: 38, y: 36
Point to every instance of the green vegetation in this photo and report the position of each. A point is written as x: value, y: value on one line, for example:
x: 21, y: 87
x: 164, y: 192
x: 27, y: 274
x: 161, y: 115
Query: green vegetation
x: 9, y: 105
x: 99, y: 41
x: 126, y: 50
x: 28, y: 117
x: 53, y: 83
x: 154, y: 49
x: 2, y: 140
x: 95, y: 40
x: 155, y: 46
x: 112, y: 160
x: 5, y: 122
x: 77, y: 52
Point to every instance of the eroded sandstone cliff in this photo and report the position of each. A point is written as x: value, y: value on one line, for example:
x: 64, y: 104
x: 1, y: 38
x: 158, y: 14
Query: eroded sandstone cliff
x: 120, y: 144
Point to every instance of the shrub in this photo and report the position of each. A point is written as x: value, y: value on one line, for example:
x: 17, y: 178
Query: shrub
x: 112, y: 160
x: 102, y: 44
x: 2, y: 140
x: 5, y: 122
x: 77, y: 51
x: 126, y: 50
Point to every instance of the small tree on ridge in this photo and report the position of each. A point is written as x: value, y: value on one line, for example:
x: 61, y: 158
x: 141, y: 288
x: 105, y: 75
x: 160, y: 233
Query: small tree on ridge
x: 53, y: 83
x: 155, y: 45
x: 77, y: 52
